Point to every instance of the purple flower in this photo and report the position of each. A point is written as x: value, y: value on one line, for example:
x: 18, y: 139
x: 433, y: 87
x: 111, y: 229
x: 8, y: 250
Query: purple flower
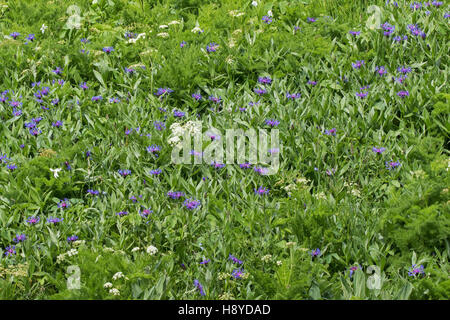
x: 261, y: 191
x: 155, y: 172
x: 93, y: 192
x: 330, y: 172
x: 10, y: 250
x: 122, y: 213
x: 35, y: 131
x: 64, y: 204
x: 392, y: 165
x: 388, y: 29
x: 58, y: 70
x: 114, y: 100
x: 404, y: 70
x: 196, y: 96
x: 267, y: 19
x: 67, y: 164
x: 264, y: 80
x: 154, y: 149
x: 355, y: 33
x: 72, y: 239
x: 31, y: 37
x: 260, y: 91
x: 272, y: 122
x: 331, y: 132
x: 378, y: 150
x: 175, y: 194
x: 205, y: 262
x: 54, y: 220
x: 97, y: 98
x: 33, y: 220
x: 57, y: 124
x: 403, y: 93
x: 129, y: 70
x: 108, y: 50
x: 199, y: 287
x: 178, y: 114
x: 414, y: 271
x: 234, y: 259
x: 182, y: 44
x: 215, y: 99
x: 293, y: 95
x: 15, y: 103
x: 315, y: 253
x: 238, y: 273
x: 245, y: 165
x: 311, y: 19
x: 163, y: 91
x: 124, y: 173
x: 353, y: 269
x: 358, y: 64
x: 20, y: 238
x: 362, y: 94
x: 191, y: 204
x: 84, y: 40
x: 212, y: 47
x: 260, y: 170
x: 312, y: 83
x: 145, y: 213
x: 381, y: 71
x: 14, y: 35
x: 11, y: 167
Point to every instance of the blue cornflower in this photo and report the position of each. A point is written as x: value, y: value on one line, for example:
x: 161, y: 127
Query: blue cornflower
x: 163, y: 91
x: 182, y: 44
x: 54, y: 220
x: 159, y: 125
x: 191, y: 204
x: 293, y: 95
x: 199, y: 287
x: 10, y: 250
x: 331, y: 132
x: 264, y: 80
x: 58, y: 70
x: 72, y: 239
x: 97, y: 98
x: 267, y: 19
x: 378, y: 150
x: 64, y: 204
x: 392, y: 165
x: 124, y: 173
x: 355, y: 33
x: 196, y: 96
x: 238, y: 273
x: 358, y: 64
x: 33, y: 220
x: 31, y: 37
x: 122, y: 213
x: 20, y: 238
x: 57, y: 124
x: 260, y: 91
x: 178, y: 114
x: 14, y: 35
x: 154, y: 149
x: 175, y: 194
x: 261, y: 191
x: 315, y: 253
x: 145, y: 213
x: 403, y: 93
x: 234, y: 259
x: 212, y: 47
x: 414, y: 271
x: 108, y: 50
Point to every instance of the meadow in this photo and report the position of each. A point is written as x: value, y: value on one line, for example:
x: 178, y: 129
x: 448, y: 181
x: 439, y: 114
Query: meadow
x: 92, y: 94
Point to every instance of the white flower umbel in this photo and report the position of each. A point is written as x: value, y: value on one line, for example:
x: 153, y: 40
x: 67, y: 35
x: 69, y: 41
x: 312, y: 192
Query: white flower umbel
x: 118, y: 275
x: 114, y: 292
x: 152, y: 250
x: 55, y: 172
x: 135, y: 249
x: 43, y: 28
x: 107, y: 285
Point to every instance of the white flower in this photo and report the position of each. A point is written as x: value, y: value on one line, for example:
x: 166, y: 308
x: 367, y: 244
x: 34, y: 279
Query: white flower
x: 55, y: 172
x: 163, y: 26
x: 107, y: 285
x: 279, y: 263
x: 108, y: 249
x: 72, y: 252
x: 266, y: 258
x: 173, y: 22
x: 269, y: 13
x: 43, y: 28
x: 135, y: 249
x: 196, y: 29
x: 140, y: 35
x: 254, y: 3
x: 163, y: 35
x: 152, y: 250
x: 115, y: 292
x: 118, y: 275
x: 60, y: 258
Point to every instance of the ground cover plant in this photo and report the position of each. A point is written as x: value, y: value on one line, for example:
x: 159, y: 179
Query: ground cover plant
x: 92, y: 207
